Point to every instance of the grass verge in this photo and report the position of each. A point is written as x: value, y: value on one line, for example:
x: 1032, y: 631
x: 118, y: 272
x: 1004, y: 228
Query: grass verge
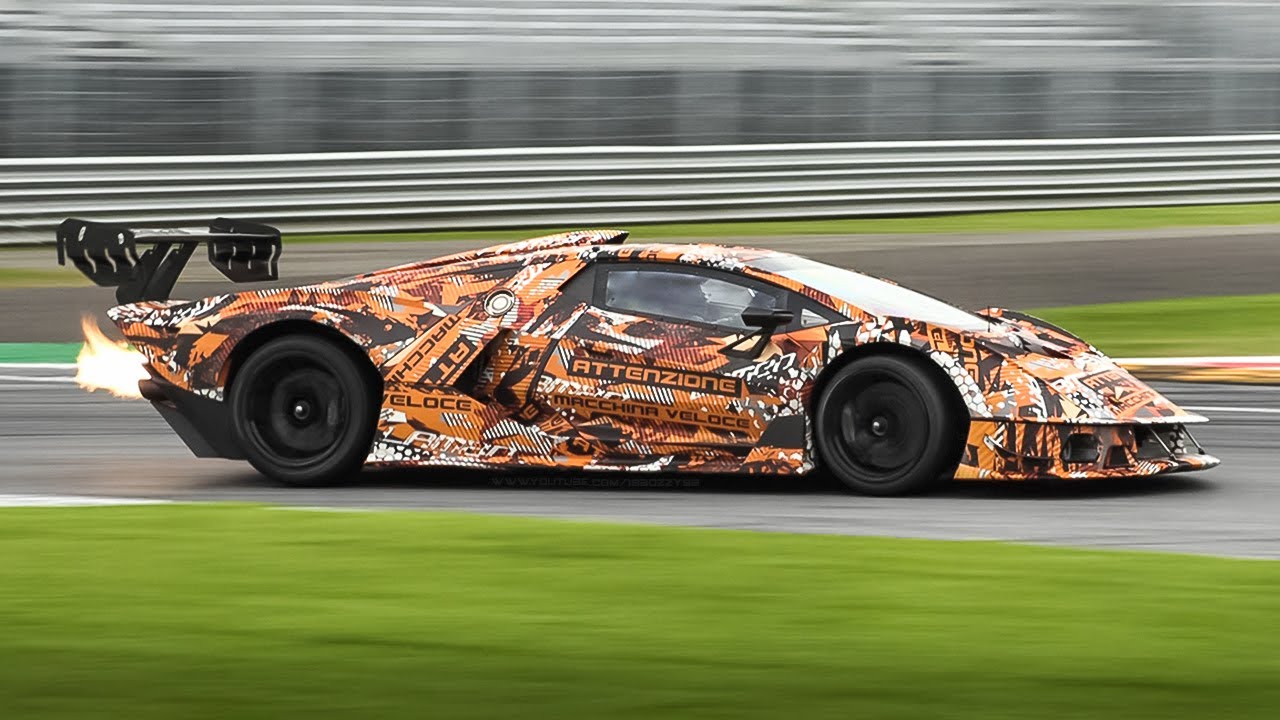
x: 995, y: 222
x: 241, y: 611
x: 23, y: 278
x: 1231, y: 325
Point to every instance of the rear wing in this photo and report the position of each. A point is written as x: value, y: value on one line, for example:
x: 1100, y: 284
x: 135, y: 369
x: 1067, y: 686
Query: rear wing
x: 107, y: 254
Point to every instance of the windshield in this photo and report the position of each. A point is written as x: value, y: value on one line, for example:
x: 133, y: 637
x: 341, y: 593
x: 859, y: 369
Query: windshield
x: 870, y: 294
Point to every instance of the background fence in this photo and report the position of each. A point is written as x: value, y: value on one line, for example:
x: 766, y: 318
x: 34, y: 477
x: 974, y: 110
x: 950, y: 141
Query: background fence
x: 148, y: 77
x: 448, y: 189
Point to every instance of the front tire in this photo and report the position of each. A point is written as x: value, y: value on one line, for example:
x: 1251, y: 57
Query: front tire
x: 303, y: 411
x: 885, y: 426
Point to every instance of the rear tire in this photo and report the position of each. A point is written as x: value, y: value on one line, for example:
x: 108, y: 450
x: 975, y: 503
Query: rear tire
x: 885, y: 426
x: 303, y: 411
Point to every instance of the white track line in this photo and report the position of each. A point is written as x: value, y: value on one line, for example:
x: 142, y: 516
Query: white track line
x: 1221, y: 408
x: 15, y: 500
x: 1225, y: 360
x: 36, y: 379
x: 38, y: 366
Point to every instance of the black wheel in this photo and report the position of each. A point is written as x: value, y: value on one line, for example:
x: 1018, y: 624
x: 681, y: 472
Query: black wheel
x: 303, y: 411
x: 886, y: 427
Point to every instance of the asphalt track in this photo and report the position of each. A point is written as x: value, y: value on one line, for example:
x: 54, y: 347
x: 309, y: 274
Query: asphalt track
x: 57, y: 439
x: 1015, y: 270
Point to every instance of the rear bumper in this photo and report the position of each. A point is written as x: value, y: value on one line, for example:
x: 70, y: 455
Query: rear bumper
x: 1005, y: 450
x: 204, y: 424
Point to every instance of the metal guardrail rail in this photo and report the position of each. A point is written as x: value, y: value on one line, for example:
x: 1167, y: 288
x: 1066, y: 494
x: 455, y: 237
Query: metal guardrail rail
x: 591, y: 186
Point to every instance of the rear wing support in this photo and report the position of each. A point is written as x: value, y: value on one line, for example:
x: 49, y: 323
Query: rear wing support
x: 107, y: 254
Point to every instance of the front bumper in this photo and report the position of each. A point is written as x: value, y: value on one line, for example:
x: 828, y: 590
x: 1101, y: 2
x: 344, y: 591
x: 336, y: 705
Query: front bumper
x: 204, y: 424
x: 1008, y: 450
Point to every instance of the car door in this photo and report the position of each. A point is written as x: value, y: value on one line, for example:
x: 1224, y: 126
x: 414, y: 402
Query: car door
x: 651, y: 369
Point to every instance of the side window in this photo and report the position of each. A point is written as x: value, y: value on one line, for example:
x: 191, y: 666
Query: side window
x: 811, y: 318
x: 684, y: 296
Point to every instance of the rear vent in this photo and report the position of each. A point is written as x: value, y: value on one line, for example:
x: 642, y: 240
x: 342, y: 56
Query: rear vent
x: 472, y: 380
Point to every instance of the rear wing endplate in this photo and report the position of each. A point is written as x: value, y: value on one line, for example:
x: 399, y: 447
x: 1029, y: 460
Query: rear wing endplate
x: 107, y: 254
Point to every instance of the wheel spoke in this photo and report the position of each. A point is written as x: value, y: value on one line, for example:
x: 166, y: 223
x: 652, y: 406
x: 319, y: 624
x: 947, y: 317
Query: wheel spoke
x: 298, y: 409
x: 881, y: 455
x: 881, y: 430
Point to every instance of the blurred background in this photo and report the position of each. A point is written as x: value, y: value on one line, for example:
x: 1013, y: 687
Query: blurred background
x: 124, y: 77
x: 409, y: 115
x: 330, y: 119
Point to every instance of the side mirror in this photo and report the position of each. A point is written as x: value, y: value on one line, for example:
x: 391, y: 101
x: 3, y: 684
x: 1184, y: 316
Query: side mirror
x: 767, y: 318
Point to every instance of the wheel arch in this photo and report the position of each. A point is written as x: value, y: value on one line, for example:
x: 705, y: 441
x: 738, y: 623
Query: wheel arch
x: 264, y: 334
x: 939, y: 375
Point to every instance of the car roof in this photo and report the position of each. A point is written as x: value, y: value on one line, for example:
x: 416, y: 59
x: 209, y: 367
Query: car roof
x: 695, y: 253
x: 601, y: 244
x: 726, y: 257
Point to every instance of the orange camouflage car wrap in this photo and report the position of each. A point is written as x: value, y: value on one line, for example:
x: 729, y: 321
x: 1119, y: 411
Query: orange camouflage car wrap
x: 507, y: 357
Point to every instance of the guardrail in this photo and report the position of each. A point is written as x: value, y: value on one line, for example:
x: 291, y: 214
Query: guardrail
x: 586, y: 186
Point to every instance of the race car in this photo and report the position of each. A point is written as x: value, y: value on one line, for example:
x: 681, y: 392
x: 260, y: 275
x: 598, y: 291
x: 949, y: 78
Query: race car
x: 578, y: 351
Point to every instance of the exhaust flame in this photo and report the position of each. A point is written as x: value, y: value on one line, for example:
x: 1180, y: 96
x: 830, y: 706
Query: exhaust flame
x: 106, y: 364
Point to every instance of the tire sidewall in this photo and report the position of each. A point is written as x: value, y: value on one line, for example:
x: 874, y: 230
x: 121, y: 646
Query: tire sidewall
x: 939, y: 449
x: 353, y: 444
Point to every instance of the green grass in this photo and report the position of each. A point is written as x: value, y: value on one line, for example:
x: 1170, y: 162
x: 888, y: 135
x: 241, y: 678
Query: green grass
x: 249, y: 612
x: 996, y: 222
x: 1233, y: 325
x: 22, y: 278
